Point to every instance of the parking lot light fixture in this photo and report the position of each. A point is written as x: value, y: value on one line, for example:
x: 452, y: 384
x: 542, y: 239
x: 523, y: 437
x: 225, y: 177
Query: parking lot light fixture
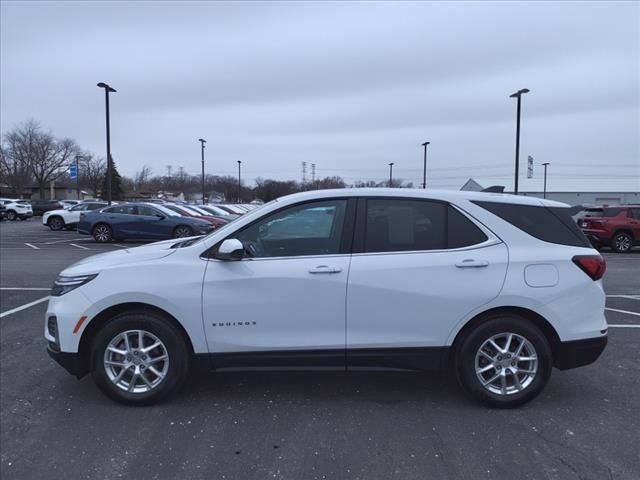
x: 424, y: 167
x: 518, y: 95
x: 202, y: 142
x: 107, y: 90
x: 239, y: 185
x: 545, y: 165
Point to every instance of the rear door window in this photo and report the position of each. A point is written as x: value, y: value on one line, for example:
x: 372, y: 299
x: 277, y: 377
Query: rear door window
x: 551, y: 224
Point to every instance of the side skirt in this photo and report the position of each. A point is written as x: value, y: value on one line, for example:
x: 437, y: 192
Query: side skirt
x: 415, y: 358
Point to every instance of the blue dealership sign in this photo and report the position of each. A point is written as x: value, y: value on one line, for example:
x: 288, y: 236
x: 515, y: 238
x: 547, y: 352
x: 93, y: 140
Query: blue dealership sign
x: 73, y: 172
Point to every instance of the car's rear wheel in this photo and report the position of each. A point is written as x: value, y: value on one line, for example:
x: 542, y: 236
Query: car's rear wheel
x: 139, y: 358
x: 622, y: 242
x: 182, y: 231
x: 55, y: 223
x: 504, y: 362
x: 102, y: 233
x: 11, y: 215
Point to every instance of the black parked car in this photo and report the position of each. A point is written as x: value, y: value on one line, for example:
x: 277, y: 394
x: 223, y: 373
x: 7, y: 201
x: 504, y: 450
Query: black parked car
x: 41, y: 206
x: 3, y: 212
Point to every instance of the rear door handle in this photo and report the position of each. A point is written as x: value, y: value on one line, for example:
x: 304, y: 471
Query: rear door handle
x: 471, y: 263
x: 325, y: 269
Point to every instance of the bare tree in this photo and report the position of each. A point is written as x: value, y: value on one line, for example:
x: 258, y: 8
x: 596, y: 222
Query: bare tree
x: 92, y: 172
x: 44, y: 155
x: 142, y: 178
x: 13, y: 173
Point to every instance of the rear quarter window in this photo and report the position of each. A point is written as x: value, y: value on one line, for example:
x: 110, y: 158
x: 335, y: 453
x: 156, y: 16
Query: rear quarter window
x: 550, y: 224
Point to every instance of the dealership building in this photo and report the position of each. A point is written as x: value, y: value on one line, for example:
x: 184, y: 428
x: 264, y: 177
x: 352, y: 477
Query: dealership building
x: 573, y: 198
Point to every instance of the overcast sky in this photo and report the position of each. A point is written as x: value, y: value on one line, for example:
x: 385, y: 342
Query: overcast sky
x: 347, y: 86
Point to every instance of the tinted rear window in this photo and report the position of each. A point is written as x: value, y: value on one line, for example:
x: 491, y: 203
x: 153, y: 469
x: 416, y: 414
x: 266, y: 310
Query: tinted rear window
x: 551, y: 224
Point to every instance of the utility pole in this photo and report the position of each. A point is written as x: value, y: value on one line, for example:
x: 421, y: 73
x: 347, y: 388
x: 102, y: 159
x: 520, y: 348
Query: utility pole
x: 518, y: 95
x: 202, y: 142
x: 545, y: 165
x: 424, y: 168
x: 239, y: 184
x: 391, y: 175
x: 107, y: 90
x: 77, y: 177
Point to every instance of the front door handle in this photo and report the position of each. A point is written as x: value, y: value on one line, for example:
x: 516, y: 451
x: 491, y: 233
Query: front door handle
x: 471, y: 263
x: 325, y: 269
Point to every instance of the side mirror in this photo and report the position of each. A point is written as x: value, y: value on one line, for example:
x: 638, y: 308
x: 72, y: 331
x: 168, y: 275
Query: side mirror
x: 230, y: 249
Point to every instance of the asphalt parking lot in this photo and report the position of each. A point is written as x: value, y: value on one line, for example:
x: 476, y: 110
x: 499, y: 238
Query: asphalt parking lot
x: 308, y: 425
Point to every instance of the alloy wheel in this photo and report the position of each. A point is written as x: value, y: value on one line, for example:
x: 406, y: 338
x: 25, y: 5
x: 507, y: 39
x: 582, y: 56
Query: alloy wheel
x: 136, y: 361
x: 182, y: 232
x: 506, y: 363
x: 55, y: 224
x: 102, y: 233
x: 622, y: 242
x: 11, y: 215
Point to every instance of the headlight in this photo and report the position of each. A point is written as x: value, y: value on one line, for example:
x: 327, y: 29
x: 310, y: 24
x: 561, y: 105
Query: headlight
x: 64, y: 285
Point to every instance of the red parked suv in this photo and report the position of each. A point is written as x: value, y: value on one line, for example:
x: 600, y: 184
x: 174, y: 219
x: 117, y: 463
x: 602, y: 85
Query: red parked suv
x: 616, y: 227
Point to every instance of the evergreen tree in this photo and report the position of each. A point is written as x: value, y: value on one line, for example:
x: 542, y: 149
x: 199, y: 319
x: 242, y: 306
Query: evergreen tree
x: 116, y: 188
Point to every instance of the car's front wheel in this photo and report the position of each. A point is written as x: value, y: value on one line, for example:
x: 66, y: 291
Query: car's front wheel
x: 622, y: 242
x: 55, y: 223
x: 182, y: 231
x: 139, y: 358
x: 11, y: 215
x: 504, y: 362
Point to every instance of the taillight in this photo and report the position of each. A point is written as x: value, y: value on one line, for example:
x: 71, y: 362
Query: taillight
x: 592, y: 265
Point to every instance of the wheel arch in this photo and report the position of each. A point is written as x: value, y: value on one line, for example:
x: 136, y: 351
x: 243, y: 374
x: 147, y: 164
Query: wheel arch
x: 528, y: 315
x: 626, y: 230
x: 56, y: 216
x: 102, y: 318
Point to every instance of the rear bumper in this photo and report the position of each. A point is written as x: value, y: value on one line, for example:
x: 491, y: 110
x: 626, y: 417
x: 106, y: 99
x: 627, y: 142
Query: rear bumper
x: 578, y: 353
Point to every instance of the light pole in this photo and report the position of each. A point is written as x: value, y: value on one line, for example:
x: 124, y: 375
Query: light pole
x: 391, y: 175
x: 202, y: 142
x: 107, y: 90
x: 239, y: 187
x: 518, y: 95
x: 545, y: 165
x: 77, y: 177
x: 424, y: 169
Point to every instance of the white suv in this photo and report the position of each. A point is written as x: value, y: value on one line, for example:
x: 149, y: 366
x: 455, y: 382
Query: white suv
x: 496, y: 287
x: 17, y: 209
x: 69, y: 217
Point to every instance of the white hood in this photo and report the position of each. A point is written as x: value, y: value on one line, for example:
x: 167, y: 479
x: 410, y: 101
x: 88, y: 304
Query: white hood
x: 96, y: 263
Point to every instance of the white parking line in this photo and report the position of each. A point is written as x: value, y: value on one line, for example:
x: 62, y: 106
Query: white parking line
x: 79, y: 246
x: 26, y: 288
x: 62, y: 241
x: 623, y: 326
x: 630, y: 297
x: 118, y: 245
x: 623, y: 311
x: 32, y: 246
x: 23, y: 307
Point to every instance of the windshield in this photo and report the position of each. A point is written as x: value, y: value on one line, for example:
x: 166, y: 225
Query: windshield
x: 166, y: 211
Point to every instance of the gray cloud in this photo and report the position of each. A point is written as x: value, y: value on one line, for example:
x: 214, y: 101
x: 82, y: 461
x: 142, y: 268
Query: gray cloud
x: 348, y: 86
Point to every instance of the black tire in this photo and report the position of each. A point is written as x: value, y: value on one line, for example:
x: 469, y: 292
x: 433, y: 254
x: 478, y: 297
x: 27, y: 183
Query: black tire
x: 11, y: 215
x: 160, y: 327
x: 102, y: 233
x: 56, y: 223
x: 23, y: 218
x: 182, y: 231
x: 622, y: 242
x: 470, y: 344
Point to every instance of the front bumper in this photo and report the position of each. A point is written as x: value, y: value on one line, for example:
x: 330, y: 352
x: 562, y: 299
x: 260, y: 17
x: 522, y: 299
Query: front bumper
x: 69, y: 361
x: 578, y: 353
